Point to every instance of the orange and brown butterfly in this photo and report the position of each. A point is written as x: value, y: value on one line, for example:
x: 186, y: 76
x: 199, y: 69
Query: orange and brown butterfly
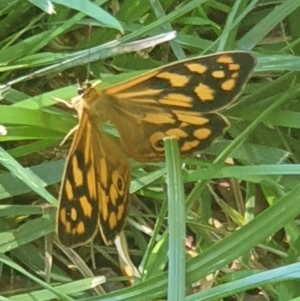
x: 182, y: 100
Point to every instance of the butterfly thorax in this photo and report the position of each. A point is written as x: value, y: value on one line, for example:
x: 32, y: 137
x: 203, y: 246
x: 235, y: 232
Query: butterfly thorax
x: 86, y: 99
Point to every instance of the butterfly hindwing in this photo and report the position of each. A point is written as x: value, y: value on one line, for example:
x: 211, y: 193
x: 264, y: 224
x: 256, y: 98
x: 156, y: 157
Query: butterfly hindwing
x: 113, y: 181
x: 194, y: 131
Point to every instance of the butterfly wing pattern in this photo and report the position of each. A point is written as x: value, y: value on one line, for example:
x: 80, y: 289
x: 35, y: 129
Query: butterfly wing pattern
x: 95, y: 187
x: 182, y: 100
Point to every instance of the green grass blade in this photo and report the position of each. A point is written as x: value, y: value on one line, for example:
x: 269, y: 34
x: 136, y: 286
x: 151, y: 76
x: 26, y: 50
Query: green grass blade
x: 93, y: 10
x: 7, y: 261
x: 176, y: 222
x: 26, y: 176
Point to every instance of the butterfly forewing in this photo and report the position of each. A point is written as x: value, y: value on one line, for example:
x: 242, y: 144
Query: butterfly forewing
x: 203, y: 84
x: 78, y: 211
x: 95, y: 186
x: 181, y: 100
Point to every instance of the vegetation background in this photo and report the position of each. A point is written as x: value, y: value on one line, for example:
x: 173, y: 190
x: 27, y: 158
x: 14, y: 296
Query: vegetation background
x: 242, y: 216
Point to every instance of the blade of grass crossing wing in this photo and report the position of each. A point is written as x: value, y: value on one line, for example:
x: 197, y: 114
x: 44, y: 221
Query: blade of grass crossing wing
x: 176, y: 222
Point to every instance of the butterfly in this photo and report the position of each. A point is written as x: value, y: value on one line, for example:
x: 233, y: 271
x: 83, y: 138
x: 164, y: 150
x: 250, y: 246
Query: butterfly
x: 180, y: 100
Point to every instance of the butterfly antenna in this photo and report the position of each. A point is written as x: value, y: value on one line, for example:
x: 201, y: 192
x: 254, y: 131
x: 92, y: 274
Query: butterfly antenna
x: 89, y: 53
